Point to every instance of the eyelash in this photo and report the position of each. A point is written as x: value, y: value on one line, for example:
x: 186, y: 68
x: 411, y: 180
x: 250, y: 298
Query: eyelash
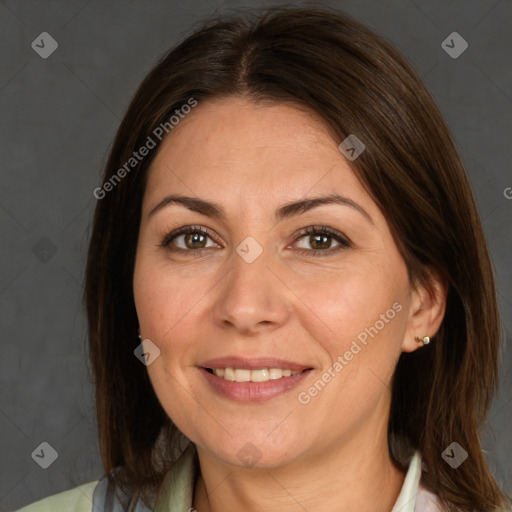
x: 311, y: 230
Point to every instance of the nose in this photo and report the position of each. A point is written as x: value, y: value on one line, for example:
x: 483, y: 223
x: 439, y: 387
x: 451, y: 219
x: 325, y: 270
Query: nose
x: 252, y: 297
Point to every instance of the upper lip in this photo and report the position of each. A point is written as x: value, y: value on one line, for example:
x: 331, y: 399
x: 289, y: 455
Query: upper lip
x: 253, y: 363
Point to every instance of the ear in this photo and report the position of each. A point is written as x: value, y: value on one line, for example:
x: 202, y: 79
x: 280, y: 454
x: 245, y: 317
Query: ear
x: 426, y: 312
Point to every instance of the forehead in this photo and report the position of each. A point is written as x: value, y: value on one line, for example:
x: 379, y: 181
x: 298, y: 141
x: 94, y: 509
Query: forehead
x: 234, y: 148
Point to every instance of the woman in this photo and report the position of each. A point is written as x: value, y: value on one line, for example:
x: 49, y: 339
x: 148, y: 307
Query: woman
x: 290, y: 299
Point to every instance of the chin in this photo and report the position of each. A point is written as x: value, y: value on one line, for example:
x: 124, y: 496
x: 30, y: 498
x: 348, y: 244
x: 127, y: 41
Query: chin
x: 254, y: 451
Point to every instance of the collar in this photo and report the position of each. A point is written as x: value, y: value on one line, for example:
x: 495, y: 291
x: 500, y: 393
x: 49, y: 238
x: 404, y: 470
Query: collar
x: 406, y: 501
x: 177, y: 489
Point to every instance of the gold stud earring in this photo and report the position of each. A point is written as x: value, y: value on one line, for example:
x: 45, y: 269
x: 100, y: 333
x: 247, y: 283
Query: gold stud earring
x: 425, y: 340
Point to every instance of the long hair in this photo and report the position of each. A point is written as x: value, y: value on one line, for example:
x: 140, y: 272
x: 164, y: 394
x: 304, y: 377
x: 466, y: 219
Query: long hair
x: 359, y: 84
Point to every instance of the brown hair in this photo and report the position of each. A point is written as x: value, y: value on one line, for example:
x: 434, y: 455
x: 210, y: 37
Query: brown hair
x: 359, y: 84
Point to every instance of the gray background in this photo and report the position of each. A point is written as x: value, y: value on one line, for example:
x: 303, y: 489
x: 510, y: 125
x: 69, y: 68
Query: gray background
x: 58, y: 119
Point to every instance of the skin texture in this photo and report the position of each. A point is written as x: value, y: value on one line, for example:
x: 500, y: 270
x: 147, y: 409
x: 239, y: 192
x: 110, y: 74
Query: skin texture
x: 331, y: 453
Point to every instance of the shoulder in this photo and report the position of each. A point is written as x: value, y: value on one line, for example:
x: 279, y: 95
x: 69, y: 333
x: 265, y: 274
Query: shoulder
x: 78, y: 499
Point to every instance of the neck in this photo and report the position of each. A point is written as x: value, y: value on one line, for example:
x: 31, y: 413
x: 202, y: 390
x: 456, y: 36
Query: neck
x: 353, y: 477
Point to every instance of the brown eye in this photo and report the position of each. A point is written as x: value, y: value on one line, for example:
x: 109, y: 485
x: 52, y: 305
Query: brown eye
x: 190, y: 239
x: 320, y: 241
x: 319, y: 238
x: 194, y: 240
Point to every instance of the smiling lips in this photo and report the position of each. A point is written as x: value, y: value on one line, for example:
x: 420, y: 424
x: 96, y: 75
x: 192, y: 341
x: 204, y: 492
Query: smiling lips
x: 252, y: 379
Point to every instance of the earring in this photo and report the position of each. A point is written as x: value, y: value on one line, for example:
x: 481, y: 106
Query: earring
x: 425, y: 340
x: 140, y: 336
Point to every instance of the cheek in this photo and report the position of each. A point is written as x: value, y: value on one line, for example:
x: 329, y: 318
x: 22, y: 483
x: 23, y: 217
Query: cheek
x: 357, y: 316
x: 162, y: 297
x: 163, y: 302
x: 344, y: 302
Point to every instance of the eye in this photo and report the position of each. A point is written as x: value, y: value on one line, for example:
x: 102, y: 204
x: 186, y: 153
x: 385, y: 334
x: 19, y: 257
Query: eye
x: 194, y: 239
x: 320, y: 239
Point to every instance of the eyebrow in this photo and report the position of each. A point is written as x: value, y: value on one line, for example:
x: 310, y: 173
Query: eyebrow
x: 285, y: 211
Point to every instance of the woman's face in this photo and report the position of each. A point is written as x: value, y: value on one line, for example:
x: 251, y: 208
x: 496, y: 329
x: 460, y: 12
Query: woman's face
x: 262, y: 294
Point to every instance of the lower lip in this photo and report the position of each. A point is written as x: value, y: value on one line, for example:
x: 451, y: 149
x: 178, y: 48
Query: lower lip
x: 253, y: 391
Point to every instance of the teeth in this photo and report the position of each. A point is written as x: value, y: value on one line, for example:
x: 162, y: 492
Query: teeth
x: 244, y: 375
x: 275, y: 373
x: 259, y: 375
x: 229, y: 374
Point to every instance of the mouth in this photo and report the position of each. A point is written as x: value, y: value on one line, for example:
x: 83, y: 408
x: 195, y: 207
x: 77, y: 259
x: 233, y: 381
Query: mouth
x: 252, y: 380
